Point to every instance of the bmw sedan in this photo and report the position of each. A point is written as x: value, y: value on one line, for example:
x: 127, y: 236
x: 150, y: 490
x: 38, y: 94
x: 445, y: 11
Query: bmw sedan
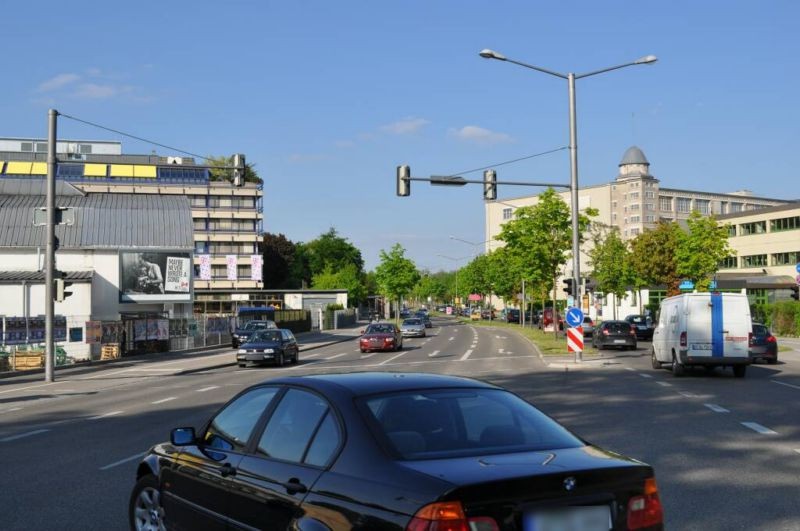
x: 413, y: 327
x: 387, y: 451
x: 277, y: 346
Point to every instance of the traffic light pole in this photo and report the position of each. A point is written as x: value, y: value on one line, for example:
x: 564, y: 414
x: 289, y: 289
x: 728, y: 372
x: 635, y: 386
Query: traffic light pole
x: 50, y: 250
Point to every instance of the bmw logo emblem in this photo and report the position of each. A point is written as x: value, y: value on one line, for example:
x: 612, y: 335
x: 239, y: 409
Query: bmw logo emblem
x: 569, y: 483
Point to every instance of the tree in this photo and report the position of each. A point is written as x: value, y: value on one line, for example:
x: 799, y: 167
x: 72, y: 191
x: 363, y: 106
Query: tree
x: 701, y: 249
x: 610, y: 259
x: 330, y: 249
x: 396, y: 275
x: 279, y: 256
x: 654, y: 256
x: 429, y: 286
x: 504, y: 274
x: 217, y: 172
x: 348, y: 277
x: 475, y: 276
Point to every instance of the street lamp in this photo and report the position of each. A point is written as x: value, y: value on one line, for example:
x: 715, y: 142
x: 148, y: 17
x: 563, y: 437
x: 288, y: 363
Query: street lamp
x: 573, y: 140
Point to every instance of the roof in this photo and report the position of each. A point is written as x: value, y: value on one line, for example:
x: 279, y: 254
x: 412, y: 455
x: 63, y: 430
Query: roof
x: 15, y: 277
x: 35, y: 187
x: 766, y: 210
x: 102, y: 221
x: 367, y: 383
x: 634, y: 155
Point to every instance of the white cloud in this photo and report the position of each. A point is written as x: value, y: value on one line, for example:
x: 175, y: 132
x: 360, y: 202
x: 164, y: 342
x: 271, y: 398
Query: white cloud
x: 57, y: 82
x: 405, y: 126
x: 479, y: 135
x: 93, y: 91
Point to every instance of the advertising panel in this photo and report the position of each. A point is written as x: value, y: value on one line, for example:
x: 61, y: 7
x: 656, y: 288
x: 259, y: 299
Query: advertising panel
x: 231, y: 260
x: 155, y: 276
x: 256, y: 267
x: 94, y: 332
x: 205, y: 267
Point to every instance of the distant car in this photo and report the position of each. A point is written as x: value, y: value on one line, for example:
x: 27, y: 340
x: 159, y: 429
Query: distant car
x: 763, y: 345
x: 644, y: 326
x: 426, y: 320
x: 381, y: 336
x: 512, y: 315
x: 241, y: 335
x: 387, y: 451
x: 487, y: 314
x: 588, y: 326
x: 277, y: 346
x: 413, y: 327
x: 618, y: 334
x: 475, y: 315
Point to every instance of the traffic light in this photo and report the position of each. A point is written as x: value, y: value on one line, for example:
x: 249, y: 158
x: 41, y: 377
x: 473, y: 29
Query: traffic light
x: 61, y: 290
x: 568, y: 286
x: 489, y: 185
x: 796, y: 293
x: 238, y: 169
x: 403, y: 180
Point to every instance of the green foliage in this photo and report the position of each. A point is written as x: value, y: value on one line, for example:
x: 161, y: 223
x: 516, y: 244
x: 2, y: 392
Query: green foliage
x: 348, y: 277
x: 396, y: 275
x: 474, y: 277
x: 279, y: 262
x: 701, y: 249
x: 504, y: 274
x: 654, y: 257
x: 610, y: 259
x: 429, y: 286
x: 782, y: 317
x: 333, y: 307
x: 331, y: 250
x: 217, y: 173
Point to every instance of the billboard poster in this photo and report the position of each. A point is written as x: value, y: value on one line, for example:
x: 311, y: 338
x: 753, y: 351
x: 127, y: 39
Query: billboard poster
x: 231, y: 260
x: 256, y: 267
x: 205, y: 267
x: 94, y: 332
x: 155, y: 276
x: 140, y: 330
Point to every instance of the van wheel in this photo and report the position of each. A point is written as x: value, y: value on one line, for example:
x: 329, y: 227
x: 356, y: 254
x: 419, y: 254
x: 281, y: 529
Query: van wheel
x: 656, y: 364
x: 739, y: 370
x: 677, y: 368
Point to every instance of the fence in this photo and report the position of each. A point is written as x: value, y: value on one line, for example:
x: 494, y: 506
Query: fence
x: 340, y: 318
x: 22, y: 341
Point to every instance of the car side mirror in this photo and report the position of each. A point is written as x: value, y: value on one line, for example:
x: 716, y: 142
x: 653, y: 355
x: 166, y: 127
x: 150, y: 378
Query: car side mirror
x: 183, y: 437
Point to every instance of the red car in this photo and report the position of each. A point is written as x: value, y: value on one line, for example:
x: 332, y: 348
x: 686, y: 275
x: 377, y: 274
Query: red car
x: 381, y: 336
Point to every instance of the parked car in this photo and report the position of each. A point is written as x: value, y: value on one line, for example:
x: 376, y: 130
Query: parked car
x: 276, y: 346
x: 547, y: 319
x: 381, y: 336
x: 367, y: 451
x: 487, y: 314
x: 512, y: 315
x: 763, y: 345
x: 588, y: 326
x: 405, y: 312
x: 475, y: 315
x: 241, y: 335
x: 620, y: 334
x: 413, y: 327
x: 644, y: 326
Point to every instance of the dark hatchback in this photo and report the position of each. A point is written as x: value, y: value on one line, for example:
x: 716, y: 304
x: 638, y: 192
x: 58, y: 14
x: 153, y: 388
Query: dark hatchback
x: 644, y: 326
x: 277, y: 346
x: 512, y: 315
x: 763, y: 345
x: 619, y: 334
x: 387, y: 451
x: 241, y: 335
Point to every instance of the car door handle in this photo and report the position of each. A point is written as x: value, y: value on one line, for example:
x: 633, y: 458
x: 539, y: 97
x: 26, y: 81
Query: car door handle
x: 227, y: 470
x: 293, y: 486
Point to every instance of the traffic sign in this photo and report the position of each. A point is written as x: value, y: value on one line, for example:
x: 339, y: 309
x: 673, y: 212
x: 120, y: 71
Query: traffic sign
x: 797, y: 268
x: 686, y: 285
x: 574, y: 317
x: 797, y: 278
x: 575, y: 339
x: 712, y: 284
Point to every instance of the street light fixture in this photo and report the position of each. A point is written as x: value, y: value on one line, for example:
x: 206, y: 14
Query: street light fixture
x: 573, y: 141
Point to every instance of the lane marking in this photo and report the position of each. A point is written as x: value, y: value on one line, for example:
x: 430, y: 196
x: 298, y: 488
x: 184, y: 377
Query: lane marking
x: 716, y: 409
x: 797, y: 450
x: 630, y: 369
x: 365, y: 356
x: 104, y: 415
x: 664, y: 384
x: 384, y: 362
x: 687, y: 395
x: 123, y: 461
x: 209, y: 388
x: 466, y: 355
x: 164, y: 400
x: 786, y: 384
x: 451, y: 339
x: 9, y: 410
x: 645, y: 375
x: 432, y: 354
x: 336, y: 356
x: 311, y: 356
x: 23, y: 435
x: 759, y: 428
x: 29, y: 387
x: 500, y: 351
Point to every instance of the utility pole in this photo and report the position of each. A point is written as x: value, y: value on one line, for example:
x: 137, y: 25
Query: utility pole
x: 50, y: 250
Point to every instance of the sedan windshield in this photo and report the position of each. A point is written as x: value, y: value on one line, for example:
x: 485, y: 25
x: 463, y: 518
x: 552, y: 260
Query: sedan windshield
x: 267, y: 335
x: 463, y: 422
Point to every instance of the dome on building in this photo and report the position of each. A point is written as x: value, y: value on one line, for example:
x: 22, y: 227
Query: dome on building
x: 634, y: 155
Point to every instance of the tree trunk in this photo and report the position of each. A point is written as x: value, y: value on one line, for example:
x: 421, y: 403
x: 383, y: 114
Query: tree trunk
x: 555, y: 311
x: 615, y: 305
x: 641, y: 311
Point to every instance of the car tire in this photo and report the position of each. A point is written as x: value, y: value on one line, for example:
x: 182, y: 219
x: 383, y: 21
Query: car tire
x: 363, y: 351
x: 280, y: 361
x: 739, y: 371
x: 772, y: 361
x: 678, y: 369
x: 242, y: 365
x: 296, y: 357
x: 653, y: 360
x: 144, y: 509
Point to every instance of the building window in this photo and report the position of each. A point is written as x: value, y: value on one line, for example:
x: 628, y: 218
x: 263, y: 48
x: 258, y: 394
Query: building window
x: 85, y: 149
x: 731, y: 231
x: 757, y: 296
x: 507, y: 213
x: 736, y: 207
x: 633, y: 195
x: 200, y: 224
x: 729, y: 263
x: 777, y: 225
x: 634, y: 232
x: 614, y: 217
x: 650, y: 194
x: 650, y: 219
x: 41, y: 147
x: 201, y: 247
x: 26, y: 146
x: 650, y: 207
x: 635, y: 219
x: 684, y: 205
x: 782, y: 259
x: 613, y: 204
x: 198, y: 200
x: 625, y: 221
x: 635, y: 207
x: 756, y: 227
x: 702, y: 206
x: 754, y: 260
x: 665, y: 204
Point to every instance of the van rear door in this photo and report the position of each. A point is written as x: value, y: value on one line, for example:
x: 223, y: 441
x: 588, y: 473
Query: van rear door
x: 732, y: 326
x: 699, y: 326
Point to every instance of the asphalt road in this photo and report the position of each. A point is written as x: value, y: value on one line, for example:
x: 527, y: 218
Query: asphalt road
x: 69, y: 449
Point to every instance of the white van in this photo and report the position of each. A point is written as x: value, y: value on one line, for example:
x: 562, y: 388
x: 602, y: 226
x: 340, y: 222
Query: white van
x: 703, y: 329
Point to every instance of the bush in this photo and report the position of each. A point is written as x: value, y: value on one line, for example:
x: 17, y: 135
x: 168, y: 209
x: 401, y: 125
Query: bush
x: 334, y: 306
x: 783, y: 317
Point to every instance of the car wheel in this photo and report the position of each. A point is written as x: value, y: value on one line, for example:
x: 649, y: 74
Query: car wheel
x: 144, y: 510
x: 242, y: 365
x: 772, y: 361
x: 739, y: 371
x: 677, y: 368
x: 279, y: 361
x: 362, y: 350
x: 653, y: 360
x: 296, y: 357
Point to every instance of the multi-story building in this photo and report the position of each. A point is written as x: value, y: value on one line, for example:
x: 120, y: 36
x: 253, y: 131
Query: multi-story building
x: 227, y: 218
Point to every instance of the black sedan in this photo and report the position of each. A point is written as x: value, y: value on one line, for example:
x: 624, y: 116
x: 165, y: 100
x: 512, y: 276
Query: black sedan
x: 763, y: 345
x: 269, y: 346
x: 619, y: 334
x: 387, y: 451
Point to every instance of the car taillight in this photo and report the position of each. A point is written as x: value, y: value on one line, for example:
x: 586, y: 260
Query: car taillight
x: 645, y: 511
x: 771, y: 339
x: 389, y: 339
x: 633, y: 330
x: 448, y: 516
x: 605, y: 331
x: 684, y: 341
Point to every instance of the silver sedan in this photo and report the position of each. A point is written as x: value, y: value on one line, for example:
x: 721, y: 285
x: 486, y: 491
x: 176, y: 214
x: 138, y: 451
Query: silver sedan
x: 413, y: 328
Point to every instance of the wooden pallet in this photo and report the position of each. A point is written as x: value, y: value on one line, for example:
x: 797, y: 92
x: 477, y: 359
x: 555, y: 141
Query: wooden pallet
x: 109, y: 352
x: 27, y: 360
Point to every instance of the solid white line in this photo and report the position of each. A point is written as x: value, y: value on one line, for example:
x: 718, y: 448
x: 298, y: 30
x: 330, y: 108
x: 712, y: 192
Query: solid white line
x: 797, y: 450
x: 716, y: 409
x: 144, y: 369
x: 393, y: 357
x: 687, y: 395
x: 122, y: 461
x: 21, y: 435
x: 336, y: 356
x: 209, y: 388
x: 28, y: 387
x: 786, y: 384
x: 164, y: 400
x: 9, y: 410
x: 759, y: 428
x: 311, y: 356
x: 645, y: 375
x: 664, y: 384
x: 466, y: 355
x: 432, y: 354
x: 111, y: 414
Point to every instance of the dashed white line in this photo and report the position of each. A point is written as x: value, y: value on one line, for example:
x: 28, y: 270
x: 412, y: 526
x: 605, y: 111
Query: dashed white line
x: 716, y: 409
x: 311, y: 356
x: 466, y: 355
x: 169, y: 398
x: 664, y: 384
x: 786, y: 384
x: 104, y: 415
x: 365, y: 356
x: 645, y: 375
x: 336, y: 356
x: 123, y: 461
x: 759, y: 428
x: 451, y: 339
x: 9, y: 410
x: 209, y: 388
x: 500, y: 351
x: 432, y: 354
x: 23, y: 435
x: 687, y: 395
x: 797, y: 450
x: 392, y: 358
x: 630, y: 369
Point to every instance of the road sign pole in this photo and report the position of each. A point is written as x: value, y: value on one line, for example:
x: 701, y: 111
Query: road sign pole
x: 50, y: 252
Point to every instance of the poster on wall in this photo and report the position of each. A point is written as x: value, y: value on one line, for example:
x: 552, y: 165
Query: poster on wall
x: 205, y: 267
x: 256, y: 266
x: 162, y: 329
x: 155, y: 276
x: 231, y: 261
x: 94, y: 332
x: 140, y: 330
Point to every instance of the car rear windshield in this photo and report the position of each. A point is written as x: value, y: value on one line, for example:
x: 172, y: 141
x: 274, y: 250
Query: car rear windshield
x: 760, y: 330
x: 267, y: 335
x: 637, y: 319
x: 464, y: 422
x: 380, y: 329
x: 412, y: 322
x: 618, y: 328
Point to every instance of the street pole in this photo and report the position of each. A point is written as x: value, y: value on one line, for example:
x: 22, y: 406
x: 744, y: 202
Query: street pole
x: 573, y: 163
x: 50, y: 251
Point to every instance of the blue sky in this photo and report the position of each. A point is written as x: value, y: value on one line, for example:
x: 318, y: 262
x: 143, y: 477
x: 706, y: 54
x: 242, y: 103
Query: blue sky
x: 327, y: 98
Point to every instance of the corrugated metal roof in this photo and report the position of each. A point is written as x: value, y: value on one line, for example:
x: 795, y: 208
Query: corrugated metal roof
x: 15, y: 277
x: 102, y: 221
x: 35, y: 186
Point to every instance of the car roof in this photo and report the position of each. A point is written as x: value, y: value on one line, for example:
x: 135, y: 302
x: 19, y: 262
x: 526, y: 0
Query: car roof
x: 368, y: 383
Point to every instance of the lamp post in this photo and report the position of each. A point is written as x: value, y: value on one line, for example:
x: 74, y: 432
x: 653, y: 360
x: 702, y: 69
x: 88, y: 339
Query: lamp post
x: 573, y: 141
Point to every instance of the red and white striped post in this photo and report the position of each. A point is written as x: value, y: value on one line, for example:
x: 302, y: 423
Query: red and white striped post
x: 575, y: 339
